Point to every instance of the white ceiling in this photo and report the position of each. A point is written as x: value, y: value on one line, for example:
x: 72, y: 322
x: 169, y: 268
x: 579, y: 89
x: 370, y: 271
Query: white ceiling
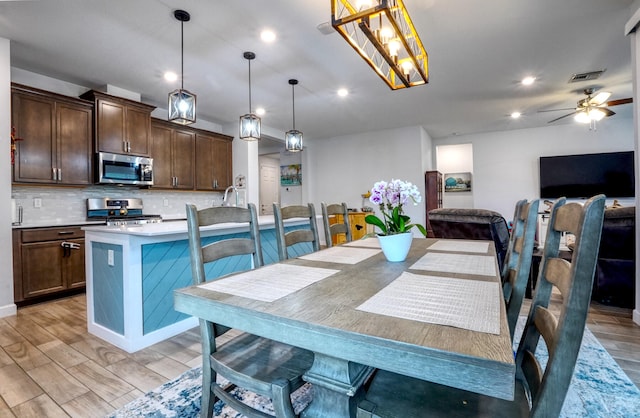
x: 478, y: 52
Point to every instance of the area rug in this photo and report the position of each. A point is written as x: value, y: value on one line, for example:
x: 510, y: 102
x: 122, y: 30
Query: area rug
x: 599, y: 389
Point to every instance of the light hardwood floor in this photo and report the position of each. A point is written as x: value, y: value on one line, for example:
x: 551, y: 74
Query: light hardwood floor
x: 51, y: 367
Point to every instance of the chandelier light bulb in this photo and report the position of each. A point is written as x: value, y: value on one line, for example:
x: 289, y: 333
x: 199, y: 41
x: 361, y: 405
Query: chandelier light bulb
x: 386, y: 33
x: 407, y: 66
x: 394, y: 47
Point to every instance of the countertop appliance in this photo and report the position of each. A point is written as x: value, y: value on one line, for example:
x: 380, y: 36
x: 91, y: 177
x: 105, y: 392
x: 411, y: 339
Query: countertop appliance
x: 124, y: 169
x: 119, y: 211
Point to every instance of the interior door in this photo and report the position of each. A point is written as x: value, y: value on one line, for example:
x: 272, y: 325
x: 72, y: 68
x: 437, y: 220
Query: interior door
x: 269, y: 188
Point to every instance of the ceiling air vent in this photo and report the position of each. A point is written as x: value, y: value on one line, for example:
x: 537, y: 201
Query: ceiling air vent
x: 591, y: 75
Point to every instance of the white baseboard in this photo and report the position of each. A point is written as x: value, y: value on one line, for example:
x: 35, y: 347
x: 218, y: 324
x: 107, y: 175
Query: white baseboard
x: 636, y: 316
x: 8, y: 310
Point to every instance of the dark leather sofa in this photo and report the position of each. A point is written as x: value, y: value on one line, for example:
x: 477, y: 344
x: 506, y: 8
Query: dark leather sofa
x: 615, y: 279
x: 471, y: 224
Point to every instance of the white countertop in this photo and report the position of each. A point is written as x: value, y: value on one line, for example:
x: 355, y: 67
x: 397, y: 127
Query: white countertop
x: 55, y: 224
x: 180, y: 227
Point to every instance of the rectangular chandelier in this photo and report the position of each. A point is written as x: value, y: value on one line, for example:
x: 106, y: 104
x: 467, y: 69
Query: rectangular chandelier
x: 382, y: 33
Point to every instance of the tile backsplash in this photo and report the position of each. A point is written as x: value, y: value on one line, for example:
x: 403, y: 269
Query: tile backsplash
x: 43, y: 206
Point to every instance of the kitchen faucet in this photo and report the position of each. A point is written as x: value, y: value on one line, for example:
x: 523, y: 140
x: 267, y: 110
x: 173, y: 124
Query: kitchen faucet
x: 226, y: 192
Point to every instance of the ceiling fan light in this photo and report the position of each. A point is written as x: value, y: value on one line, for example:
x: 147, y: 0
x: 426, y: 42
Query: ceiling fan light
x: 596, y: 114
x: 582, y: 117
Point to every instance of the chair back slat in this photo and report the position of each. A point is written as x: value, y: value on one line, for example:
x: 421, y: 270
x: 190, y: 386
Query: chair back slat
x: 223, y: 214
x: 558, y: 273
x: 227, y: 248
x: 546, y: 322
x: 295, y: 211
x: 297, y: 236
x: 574, y: 280
x: 568, y: 218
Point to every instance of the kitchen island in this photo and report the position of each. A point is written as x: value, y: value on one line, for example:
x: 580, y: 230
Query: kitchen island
x: 132, y: 270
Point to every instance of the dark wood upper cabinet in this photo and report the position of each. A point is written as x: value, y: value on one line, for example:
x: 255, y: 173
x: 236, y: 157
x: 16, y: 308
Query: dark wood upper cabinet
x: 121, y: 126
x: 173, y: 152
x: 213, y: 162
x: 55, y: 134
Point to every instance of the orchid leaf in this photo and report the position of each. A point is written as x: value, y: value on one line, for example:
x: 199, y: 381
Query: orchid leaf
x: 374, y: 220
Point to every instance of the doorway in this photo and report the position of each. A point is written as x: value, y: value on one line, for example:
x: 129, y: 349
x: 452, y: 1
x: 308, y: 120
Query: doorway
x: 269, y: 182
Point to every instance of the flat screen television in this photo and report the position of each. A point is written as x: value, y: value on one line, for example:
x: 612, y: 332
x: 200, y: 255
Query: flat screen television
x: 586, y: 175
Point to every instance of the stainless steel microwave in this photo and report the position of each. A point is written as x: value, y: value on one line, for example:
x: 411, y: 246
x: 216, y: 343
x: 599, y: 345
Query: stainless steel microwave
x: 124, y: 169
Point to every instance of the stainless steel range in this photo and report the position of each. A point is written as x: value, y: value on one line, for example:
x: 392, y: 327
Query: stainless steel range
x: 121, y: 211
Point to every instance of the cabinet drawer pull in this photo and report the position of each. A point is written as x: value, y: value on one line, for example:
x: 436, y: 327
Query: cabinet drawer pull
x: 65, y: 233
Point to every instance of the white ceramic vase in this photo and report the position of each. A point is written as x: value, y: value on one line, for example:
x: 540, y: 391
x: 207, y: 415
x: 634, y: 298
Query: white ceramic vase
x: 396, y: 247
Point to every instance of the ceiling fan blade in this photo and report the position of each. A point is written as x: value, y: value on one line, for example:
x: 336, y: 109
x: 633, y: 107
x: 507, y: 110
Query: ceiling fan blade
x: 562, y: 117
x: 620, y: 102
x: 600, y: 98
x: 556, y: 110
x: 607, y: 112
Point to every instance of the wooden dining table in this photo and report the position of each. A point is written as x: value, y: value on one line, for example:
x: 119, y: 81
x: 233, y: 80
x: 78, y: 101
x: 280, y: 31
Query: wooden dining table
x: 438, y: 316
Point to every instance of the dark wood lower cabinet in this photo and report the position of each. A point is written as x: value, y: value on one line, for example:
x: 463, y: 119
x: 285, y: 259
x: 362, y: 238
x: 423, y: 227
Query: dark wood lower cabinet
x: 47, y: 262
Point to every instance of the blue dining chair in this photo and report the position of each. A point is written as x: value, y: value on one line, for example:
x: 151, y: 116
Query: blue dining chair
x: 517, y: 267
x: 263, y: 366
x: 333, y: 229
x: 539, y: 391
x: 286, y: 239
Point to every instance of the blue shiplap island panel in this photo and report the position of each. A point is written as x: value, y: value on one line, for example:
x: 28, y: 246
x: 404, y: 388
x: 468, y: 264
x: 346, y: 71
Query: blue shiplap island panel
x: 130, y: 299
x: 108, y: 297
x: 166, y: 266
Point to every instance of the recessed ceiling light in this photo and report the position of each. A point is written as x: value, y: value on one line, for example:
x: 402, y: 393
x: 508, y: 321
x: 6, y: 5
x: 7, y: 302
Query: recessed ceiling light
x: 267, y: 35
x: 343, y: 92
x: 170, y: 76
x: 516, y: 115
x: 527, y: 81
x: 260, y: 111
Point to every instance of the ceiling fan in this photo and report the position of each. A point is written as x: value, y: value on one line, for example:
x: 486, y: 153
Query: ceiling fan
x: 591, y: 108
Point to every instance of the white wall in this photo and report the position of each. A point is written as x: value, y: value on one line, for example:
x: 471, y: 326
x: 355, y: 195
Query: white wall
x: 505, y: 164
x: 7, y: 307
x: 343, y: 168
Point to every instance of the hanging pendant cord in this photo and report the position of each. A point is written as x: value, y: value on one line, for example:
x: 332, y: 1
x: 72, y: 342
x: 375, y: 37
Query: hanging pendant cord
x: 181, y: 55
x: 250, y: 87
x: 293, y: 100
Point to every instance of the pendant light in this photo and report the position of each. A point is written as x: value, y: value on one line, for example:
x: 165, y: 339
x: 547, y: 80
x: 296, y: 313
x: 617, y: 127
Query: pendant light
x: 293, y: 138
x: 249, y: 123
x: 182, y: 103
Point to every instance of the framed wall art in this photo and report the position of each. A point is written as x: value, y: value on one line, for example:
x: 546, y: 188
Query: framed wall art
x: 457, y: 182
x: 291, y: 175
